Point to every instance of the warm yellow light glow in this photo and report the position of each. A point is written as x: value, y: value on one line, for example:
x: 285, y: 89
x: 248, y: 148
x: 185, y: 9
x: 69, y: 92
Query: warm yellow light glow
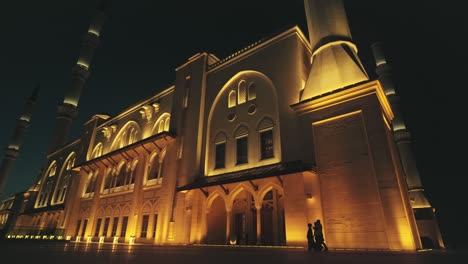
x: 170, y: 235
x: 368, y: 88
x: 25, y: 118
x: 13, y: 146
x: 380, y: 61
x: 70, y: 101
x: 387, y: 124
x: 334, y: 43
x: 92, y: 31
x: 83, y: 64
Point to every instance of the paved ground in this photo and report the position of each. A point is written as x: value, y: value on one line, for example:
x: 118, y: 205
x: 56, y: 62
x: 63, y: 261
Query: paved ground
x: 19, y: 252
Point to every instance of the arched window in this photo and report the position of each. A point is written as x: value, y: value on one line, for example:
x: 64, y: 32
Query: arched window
x: 91, y: 182
x: 97, y: 151
x: 121, y: 173
x: 155, y: 172
x: 252, y: 93
x: 154, y: 167
x: 130, y: 133
x: 265, y: 127
x: 162, y: 124
x: 47, y: 185
x: 220, y: 150
x: 242, y: 89
x: 242, y: 152
x: 65, y: 178
x: 232, y: 99
x: 109, y: 179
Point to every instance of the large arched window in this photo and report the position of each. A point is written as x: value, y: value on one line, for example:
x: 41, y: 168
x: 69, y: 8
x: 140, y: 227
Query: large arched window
x: 65, y: 179
x: 248, y: 144
x: 47, y: 185
x: 130, y: 133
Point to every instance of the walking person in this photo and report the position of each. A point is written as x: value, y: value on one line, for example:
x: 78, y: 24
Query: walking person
x: 310, y: 237
x: 318, y: 236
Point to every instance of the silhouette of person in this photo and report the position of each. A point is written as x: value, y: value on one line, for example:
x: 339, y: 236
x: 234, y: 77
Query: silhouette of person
x: 318, y: 235
x: 310, y: 237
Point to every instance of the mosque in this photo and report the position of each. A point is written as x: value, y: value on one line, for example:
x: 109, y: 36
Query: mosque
x: 245, y: 150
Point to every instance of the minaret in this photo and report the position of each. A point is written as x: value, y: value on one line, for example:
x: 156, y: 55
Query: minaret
x: 421, y: 206
x: 68, y: 110
x: 13, y: 148
x: 400, y: 131
x: 334, y: 61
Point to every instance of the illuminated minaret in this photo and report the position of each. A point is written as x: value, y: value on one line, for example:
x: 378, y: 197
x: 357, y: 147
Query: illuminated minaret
x: 68, y: 110
x: 400, y: 131
x: 422, y: 208
x: 13, y: 148
x: 334, y: 61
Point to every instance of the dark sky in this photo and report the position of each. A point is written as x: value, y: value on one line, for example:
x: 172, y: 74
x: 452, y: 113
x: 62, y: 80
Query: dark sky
x: 144, y: 41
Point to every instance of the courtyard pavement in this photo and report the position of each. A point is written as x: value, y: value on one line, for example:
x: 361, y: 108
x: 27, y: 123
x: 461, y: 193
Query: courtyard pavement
x: 19, y: 252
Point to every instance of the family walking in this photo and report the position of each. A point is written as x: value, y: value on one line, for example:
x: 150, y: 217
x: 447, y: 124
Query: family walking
x: 315, y: 239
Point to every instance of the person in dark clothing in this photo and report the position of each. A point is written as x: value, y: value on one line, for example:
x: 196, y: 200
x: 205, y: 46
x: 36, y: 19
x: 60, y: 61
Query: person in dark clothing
x: 318, y: 236
x: 310, y: 237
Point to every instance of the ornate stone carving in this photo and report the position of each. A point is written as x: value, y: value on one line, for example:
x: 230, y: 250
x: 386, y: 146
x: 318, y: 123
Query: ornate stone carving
x: 107, y: 131
x: 146, y: 112
x: 156, y: 107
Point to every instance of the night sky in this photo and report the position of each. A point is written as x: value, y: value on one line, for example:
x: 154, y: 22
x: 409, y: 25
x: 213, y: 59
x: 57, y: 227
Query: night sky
x: 144, y: 41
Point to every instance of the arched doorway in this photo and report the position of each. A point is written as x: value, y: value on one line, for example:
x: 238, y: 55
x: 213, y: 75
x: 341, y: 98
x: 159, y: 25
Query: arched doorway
x: 244, y: 228
x: 272, y: 219
x: 216, y: 220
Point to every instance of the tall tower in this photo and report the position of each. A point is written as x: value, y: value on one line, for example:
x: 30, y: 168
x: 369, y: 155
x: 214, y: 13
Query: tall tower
x: 423, y: 210
x: 68, y: 110
x: 334, y: 62
x: 13, y: 148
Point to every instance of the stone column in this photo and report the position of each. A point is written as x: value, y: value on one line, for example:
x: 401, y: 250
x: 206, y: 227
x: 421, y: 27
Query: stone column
x: 259, y: 224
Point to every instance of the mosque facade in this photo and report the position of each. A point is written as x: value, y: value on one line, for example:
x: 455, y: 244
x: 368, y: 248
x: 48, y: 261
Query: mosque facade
x: 245, y: 150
